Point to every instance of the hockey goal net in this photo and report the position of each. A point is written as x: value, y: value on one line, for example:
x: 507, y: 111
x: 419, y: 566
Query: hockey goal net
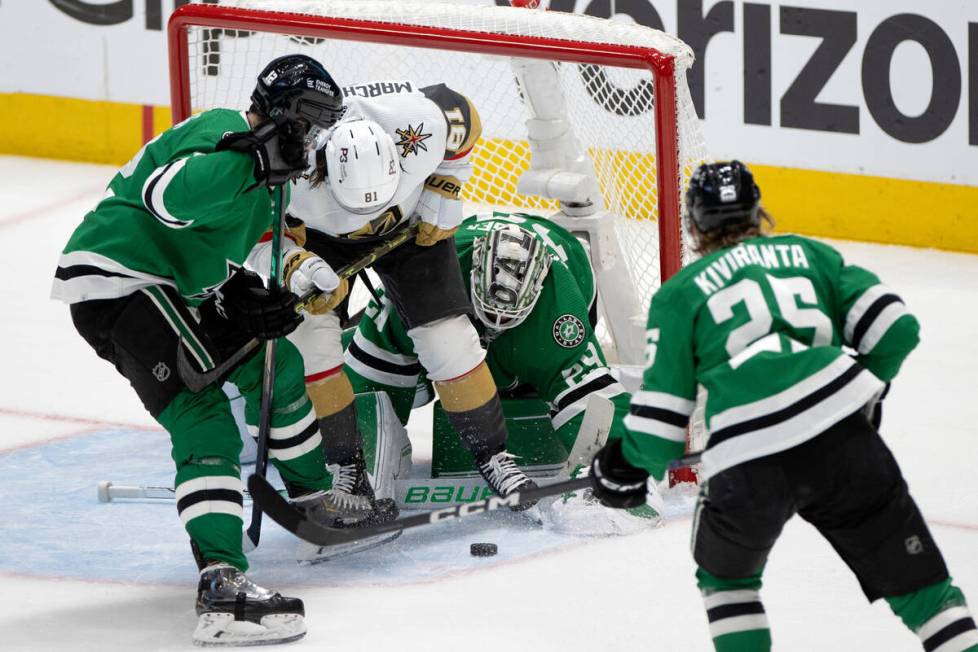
x: 584, y: 119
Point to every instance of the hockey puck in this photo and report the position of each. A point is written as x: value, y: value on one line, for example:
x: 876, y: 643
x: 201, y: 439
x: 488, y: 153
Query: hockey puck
x: 483, y: 549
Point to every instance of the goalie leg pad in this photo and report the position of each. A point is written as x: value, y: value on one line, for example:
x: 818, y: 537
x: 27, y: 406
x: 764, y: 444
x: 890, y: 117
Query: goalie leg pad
x: 386, y: 442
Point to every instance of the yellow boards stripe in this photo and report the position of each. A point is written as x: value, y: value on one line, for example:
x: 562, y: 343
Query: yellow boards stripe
x: 875, y: 209
x: 72, y: 129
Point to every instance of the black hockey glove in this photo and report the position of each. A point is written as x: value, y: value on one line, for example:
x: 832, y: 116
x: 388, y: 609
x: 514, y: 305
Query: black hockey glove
x: 256, y: 310
x: 278, y: 151
x: 614, y: 481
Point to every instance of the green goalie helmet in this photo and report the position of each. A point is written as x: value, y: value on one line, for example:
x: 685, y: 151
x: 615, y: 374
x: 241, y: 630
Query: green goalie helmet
x: 509, y: 266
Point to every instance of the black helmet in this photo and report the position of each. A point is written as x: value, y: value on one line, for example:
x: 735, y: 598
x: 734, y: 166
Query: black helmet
x: 722, y: 193
x: 296, y: 86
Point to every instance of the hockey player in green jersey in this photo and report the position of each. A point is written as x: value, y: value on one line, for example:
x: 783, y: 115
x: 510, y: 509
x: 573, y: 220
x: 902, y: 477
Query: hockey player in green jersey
x: 764, y: 323
x: 159, y: 262
x: 533, y: 293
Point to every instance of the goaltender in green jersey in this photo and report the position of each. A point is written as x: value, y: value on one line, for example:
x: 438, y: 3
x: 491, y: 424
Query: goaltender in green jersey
x: 533, y: 292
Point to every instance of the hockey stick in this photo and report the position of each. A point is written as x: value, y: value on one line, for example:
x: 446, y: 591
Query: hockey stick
x: 282, y: 512
x: 196, y: 380
x: 253, y: 533
x: 688, y: 459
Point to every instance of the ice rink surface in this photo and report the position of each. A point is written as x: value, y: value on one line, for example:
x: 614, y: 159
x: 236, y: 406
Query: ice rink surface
x: 83, y: 576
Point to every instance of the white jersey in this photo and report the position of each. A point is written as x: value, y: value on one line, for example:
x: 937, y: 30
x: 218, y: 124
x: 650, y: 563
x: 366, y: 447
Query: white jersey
x: 434, y: 129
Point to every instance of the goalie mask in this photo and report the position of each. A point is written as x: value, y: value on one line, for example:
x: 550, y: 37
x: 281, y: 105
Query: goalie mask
x: 509, y: 266
x: 362, y: 166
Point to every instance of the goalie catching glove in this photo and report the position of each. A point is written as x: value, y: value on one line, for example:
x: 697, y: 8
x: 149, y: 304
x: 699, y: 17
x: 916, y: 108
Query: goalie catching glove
x: 305, y: 271
x: 256, y: 310
x: 614, y: 481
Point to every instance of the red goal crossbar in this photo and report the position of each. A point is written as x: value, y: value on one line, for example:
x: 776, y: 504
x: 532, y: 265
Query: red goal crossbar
x: 660, y: 65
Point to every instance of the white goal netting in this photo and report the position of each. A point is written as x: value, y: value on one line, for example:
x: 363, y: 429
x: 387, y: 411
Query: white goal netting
x: 609, y: 109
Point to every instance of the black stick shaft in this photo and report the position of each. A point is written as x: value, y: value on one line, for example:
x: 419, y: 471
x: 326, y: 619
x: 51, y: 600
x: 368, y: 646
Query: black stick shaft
x: 686, y: 460
x: 268, y: 372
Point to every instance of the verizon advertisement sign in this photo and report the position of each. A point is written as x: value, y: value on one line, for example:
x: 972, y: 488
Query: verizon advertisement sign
x: 880, y: 88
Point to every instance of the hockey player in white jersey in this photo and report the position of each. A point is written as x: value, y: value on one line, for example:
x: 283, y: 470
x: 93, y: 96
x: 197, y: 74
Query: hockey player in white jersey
x: 394, y: 160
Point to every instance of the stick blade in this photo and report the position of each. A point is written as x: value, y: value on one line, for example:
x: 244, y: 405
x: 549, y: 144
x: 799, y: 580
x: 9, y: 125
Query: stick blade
x: 271, y: 502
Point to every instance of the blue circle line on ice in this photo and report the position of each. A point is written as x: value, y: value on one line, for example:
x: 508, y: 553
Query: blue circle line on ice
x: 56, y: 527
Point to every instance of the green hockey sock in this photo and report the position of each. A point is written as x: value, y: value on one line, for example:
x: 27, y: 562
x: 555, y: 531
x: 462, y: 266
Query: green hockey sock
x: 940, y: 617
x: 733, y: 607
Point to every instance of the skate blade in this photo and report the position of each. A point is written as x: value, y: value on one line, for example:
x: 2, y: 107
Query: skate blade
x: 222, y: 630
x: 309, y: 553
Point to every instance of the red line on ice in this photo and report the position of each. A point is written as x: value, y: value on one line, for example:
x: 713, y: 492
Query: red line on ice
x: 40, y: 211
x: 90, y: 425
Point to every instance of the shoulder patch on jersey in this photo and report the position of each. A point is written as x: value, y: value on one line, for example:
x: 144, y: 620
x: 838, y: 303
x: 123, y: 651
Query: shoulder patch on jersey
x: 461, y: 118
x: 569, y: 331
x: 412, y: 140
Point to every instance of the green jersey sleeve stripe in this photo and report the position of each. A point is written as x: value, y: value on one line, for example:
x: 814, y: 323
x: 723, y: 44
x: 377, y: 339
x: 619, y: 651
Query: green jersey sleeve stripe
x: 605, y: 390
x: 859, y: 308
x: 665, y: 401
x: 593, y: 381
x: 877, y: 321
x: 654, y: 427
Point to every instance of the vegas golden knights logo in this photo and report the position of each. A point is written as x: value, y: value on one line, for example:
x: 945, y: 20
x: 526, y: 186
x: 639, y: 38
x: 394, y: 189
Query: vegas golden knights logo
x: 412, y: 140
x: 380, y: 225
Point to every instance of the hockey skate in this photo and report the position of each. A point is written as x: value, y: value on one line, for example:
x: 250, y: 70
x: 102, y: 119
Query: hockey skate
x: 234, y: 611
x: 349, y: 504
x: 504, y: 477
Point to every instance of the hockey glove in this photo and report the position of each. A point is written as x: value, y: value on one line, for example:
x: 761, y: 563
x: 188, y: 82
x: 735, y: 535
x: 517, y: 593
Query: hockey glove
x: 277, y: 151
x: 256, y: 310
x: 305, y: 271
x: 429, y: 234
x: 614, y: 481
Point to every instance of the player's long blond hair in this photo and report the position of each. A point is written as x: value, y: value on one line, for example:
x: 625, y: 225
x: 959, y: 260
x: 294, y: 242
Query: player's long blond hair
x: 729, y: 235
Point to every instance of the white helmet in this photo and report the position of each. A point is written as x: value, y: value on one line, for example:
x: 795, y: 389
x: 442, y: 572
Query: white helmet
x: 362, y: 166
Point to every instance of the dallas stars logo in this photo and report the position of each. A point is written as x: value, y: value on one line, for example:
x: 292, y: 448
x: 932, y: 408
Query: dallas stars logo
x: 568, y: 331
x: 209, y: 290
x: 412, y: 140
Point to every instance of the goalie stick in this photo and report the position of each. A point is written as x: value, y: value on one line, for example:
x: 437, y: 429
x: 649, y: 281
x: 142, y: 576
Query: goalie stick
x: 197, y: 380
x: 282, y: 512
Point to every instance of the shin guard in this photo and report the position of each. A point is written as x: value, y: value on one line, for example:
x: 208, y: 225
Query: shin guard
x: 472, y: 405
x: 332, y: 398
